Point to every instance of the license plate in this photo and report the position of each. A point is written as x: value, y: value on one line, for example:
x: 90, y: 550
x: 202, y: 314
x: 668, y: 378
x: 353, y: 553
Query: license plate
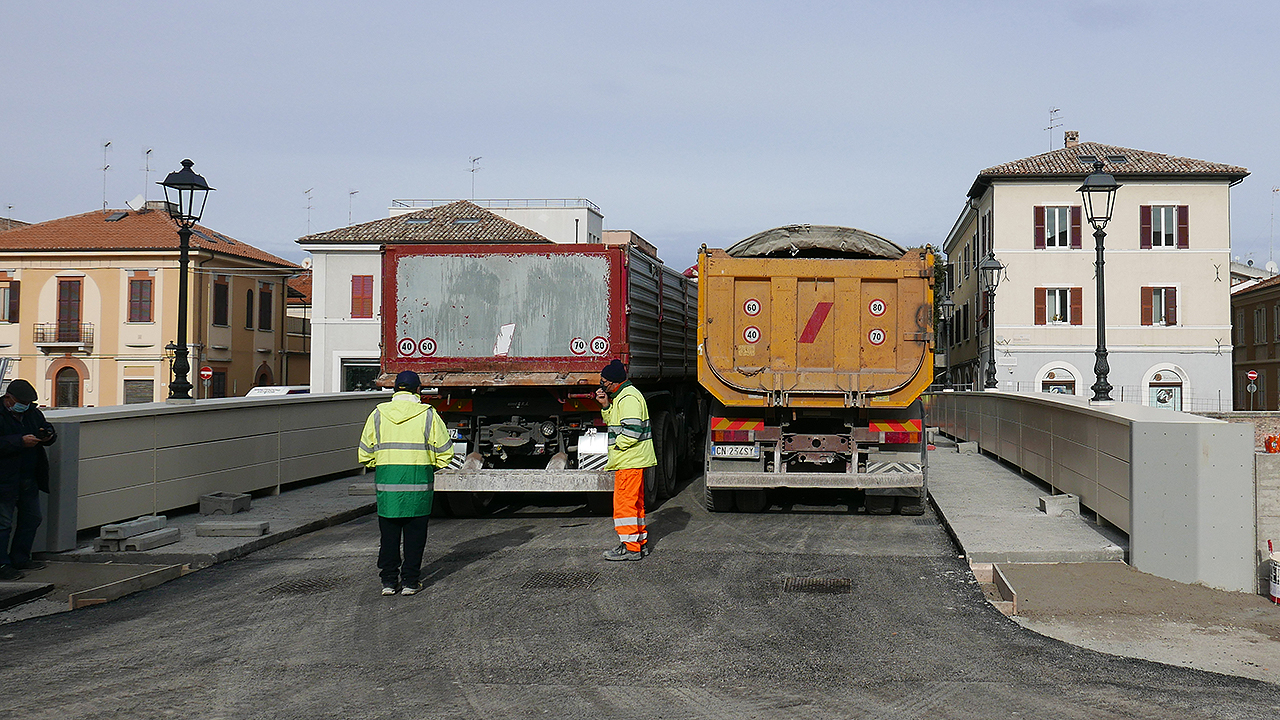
x: 736, y: 451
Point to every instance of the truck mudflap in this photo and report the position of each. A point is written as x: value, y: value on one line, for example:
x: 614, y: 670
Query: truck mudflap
x: 504, y: 480
x: 870, y: 481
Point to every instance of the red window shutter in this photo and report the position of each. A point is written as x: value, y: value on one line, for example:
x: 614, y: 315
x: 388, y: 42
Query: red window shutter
x: 13, y: 300
x: 1146, y: 305
x: 1171, y: 306
x: 1144, y: 220
x: 1076, y: 234
x: 361, y: 296
x: 1041, y: 314
x: 1076, y: 297
x: 1183, y: 222
x: 1039, y: 215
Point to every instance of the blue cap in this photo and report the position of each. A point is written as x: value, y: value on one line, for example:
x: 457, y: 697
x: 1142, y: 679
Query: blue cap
x: 408, y: 380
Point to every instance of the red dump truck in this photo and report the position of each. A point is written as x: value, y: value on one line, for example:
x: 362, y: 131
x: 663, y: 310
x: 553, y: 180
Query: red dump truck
x: 509, y: 341
x: 815, y: 343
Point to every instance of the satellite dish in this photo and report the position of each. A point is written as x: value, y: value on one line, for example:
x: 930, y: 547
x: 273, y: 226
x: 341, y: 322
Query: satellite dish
x: 137, y: 203
x: 1272, y: 267
x: 306, y: 263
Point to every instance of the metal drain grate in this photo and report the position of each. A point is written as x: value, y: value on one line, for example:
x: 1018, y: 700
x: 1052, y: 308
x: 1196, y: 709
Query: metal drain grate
x: 925, y: 521
x: 308, y: 585
x: 823, y: 586
x: 556, y: 580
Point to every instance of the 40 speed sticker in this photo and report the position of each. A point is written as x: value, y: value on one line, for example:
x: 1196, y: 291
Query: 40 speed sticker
x: 407, y: 346
x: 751, y: 334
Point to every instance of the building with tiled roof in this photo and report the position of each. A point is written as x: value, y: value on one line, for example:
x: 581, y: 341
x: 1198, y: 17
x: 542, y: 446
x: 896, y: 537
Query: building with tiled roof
x: 11, y: 224
x: 90, y: 303
x: 1255, y: 309
x: 347, y: 268
x: 1167, y: 274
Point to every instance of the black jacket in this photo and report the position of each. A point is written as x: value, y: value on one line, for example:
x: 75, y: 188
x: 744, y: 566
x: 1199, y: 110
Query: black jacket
x: 17, y: 461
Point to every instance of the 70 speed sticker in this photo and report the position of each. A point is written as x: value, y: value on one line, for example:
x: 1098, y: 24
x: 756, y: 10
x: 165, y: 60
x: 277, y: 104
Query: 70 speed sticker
x: 877, y: 336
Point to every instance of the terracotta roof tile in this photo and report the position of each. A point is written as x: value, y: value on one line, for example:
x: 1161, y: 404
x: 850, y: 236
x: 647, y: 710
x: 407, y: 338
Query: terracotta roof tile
x: 11, y: 224
x: 300, y: 288
x: 126, y: 230
x: 458, y: 222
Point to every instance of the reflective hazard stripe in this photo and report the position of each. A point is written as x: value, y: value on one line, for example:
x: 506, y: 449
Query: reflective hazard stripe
x: 366, y: 448
x: 400, y: 446
x: 619, y: 522
x: 637, y: 537
x: 406, y: 487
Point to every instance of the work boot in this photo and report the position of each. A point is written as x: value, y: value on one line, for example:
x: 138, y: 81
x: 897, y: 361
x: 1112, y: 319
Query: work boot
x: 621, y: 553
x: 412, y: 589
x: 388, y: 590
x: 9, y: 573
x: 644, y: 550
x: 31, y: 565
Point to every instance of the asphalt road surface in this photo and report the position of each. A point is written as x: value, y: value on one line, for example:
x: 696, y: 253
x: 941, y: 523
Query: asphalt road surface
x: 523, y: 619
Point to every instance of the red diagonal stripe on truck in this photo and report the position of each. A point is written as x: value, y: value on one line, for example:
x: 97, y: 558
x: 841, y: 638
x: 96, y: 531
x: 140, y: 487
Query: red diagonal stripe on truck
x: 816, y: 320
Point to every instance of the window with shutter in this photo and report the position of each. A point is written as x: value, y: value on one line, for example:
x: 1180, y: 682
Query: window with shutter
x: 221, y: 303
x: 1040, y: 228
x: 264, y: 307
x: 1147, y: 313
x: 1184, y: 218
x: 1144, y: 231
x: 1077, y: 306
x: 1076, y: 232
x: 1163, y: 232
x: 1259, y: 326
x: 248, y: 309
x: 9, y: 301
x: 1042, y: 313
x: 361, y: 296
x: 139, y: 300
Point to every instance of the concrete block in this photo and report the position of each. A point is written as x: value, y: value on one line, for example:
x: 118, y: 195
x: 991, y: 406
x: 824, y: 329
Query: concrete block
x: 967, y: 448
x: 124, y: 530
x: 153, y: 539
x: 224, y: 503
x: 361, y: 489
x: 231, y: 528
x: 1066, y: 505
x: 104, y: 545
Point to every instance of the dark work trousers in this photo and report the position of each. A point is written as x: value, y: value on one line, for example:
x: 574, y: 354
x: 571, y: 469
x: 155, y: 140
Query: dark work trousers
x: 414, y: 532
x: 19, y: 519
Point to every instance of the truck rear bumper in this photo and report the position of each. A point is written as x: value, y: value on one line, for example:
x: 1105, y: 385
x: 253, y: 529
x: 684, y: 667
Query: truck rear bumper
x: 493, y: 480
x: 720, y: 479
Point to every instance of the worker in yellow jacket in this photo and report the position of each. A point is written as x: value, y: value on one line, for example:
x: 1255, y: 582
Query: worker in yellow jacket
x: 403, y: 442
x: 630, y: 452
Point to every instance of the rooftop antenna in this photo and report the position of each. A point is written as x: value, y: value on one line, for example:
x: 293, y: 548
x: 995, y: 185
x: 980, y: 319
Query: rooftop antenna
x: 475, y: 168
x: 105, y: 146
x: 146, y: 173
x: 350, y: 196
x: 8, y: 221
x: 1055, y: 121
x: 307, y: 192
x: 1271, y: 243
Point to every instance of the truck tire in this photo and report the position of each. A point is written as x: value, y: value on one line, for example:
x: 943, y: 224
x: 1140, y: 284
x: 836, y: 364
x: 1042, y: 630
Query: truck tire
x: 752, y: 500
x: 910, y: 505
x: 664, y: 447
x: 469, y: 504
x: 880, y: 504
x: 650, y: 487
x: 718, y: 500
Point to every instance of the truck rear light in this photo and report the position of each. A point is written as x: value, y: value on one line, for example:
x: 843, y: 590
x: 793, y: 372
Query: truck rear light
x: 732, y: 436
x: 902, y: 438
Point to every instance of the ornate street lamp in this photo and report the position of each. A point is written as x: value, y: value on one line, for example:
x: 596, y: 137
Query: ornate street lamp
x: 990, y: 272
x: 185, y: 193
x: 1099, y: 193
x: 948, y: 310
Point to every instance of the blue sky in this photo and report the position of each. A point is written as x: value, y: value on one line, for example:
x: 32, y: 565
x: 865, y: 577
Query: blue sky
x: 687, y: 122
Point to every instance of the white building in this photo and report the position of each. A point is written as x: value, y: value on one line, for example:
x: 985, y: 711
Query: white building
x: 347, y: 269
x: 1167, y: 275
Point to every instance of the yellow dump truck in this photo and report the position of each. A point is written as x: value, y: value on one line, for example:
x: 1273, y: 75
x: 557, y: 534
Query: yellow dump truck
x: 815, y: 343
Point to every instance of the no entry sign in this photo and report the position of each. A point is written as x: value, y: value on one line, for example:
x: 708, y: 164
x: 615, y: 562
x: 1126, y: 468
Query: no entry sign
x: 206, y: 373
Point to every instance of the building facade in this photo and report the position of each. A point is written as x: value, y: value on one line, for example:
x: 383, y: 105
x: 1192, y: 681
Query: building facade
x: 1167, y: 275
x: 90, y: 304
x: 1255, y: 309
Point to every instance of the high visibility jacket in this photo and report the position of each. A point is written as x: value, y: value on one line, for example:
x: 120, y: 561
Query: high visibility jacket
x: 630, y: 437
x: 404, y: 441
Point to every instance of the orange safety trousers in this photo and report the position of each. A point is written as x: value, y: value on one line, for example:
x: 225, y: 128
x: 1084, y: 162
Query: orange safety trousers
x: 628, y: 507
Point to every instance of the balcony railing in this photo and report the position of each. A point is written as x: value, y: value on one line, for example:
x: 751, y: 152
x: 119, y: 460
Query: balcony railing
x: 64, y: 336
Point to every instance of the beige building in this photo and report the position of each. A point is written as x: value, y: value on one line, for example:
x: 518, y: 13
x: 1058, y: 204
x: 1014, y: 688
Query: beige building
x: 89, y: 303
x: 1167, y: 273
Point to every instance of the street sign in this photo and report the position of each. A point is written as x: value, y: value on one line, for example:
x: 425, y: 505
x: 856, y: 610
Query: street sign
x: 1251, y: 388
x: 1252, y: 374
x: 206, y: 373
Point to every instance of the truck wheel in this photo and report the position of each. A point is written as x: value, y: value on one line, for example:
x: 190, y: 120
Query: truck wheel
x: 719, y: 500
x: 753, y: 500
x: 664, y: 446
x: 880, y: 504
x: 469, y: 504
x: 650, y: 487
x: 910, y: 506
x: 600, y: 503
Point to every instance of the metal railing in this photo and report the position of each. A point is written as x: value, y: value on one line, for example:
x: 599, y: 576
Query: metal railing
x: 514, y: 203
x: 59, y: 333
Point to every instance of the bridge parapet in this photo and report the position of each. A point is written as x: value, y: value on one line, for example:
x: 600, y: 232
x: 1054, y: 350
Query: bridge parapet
x: 1181, y: 485
x: 118, y: 463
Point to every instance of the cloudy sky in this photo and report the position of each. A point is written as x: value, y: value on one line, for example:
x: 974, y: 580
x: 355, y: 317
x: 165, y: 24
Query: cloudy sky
x: 688, y: 122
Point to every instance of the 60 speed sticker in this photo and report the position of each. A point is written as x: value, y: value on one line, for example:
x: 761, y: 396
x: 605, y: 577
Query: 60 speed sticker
x: 877, y: 336
x: 751, y: 334
x: 751, y: 307
x: 409, y: 346
x: 427, y: 346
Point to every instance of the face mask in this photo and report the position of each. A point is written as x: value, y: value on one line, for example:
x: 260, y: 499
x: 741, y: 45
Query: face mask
x: 20, y: 407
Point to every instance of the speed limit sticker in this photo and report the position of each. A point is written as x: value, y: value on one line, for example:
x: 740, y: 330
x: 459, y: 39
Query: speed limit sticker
x: 407, y: 346
x: 751, y: 334
x: 751, y: 307
x: 427, y: 346
x: 578, y: 346
x: 877, y: 307
x: 876, y: 336
x: 599, y: 345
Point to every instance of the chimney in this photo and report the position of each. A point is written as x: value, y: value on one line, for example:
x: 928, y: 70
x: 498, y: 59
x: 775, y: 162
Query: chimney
x: 1071, y: 138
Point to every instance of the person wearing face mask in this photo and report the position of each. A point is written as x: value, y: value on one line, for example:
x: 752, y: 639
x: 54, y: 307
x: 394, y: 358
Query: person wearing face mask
x: 24, y: 473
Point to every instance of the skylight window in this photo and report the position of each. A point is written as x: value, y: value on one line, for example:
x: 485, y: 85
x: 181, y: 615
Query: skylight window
x: 466, y: 221
x: 417, y: 221
x: 201, y: 234
x: 116, y: 217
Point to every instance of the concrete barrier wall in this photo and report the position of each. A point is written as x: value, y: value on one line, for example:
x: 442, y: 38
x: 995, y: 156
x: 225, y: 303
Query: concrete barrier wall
x: 118, y: 463
x: 1181, y: 486
x: 1267, y: 490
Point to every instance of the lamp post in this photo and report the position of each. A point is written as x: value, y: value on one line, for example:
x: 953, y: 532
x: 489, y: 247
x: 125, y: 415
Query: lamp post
x: 1099, y: 194
x: 948, y: 309
x: 185, y: 193
x: 990, y: 271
